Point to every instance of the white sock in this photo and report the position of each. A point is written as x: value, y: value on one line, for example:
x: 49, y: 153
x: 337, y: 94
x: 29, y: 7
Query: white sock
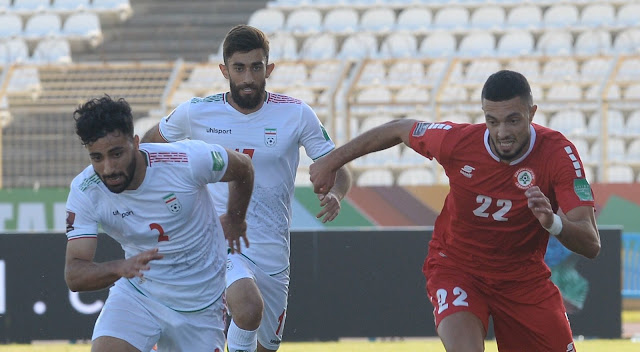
x: 241, y: 340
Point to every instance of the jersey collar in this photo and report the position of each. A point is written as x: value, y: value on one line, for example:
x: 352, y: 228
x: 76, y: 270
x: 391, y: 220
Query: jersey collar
x: 532, y: 141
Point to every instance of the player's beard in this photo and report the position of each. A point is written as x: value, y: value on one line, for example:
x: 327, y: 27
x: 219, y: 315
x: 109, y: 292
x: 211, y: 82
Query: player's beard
x: 247, y: 102
x: 512, y: 155
x: 126, y: 176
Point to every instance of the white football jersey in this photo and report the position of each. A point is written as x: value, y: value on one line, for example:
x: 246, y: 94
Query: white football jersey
x: 171, y: 210
x: 272, y: 137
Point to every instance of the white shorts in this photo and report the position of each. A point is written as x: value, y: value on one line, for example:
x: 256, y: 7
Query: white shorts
x: 143, y: 322
x: 275, y: 292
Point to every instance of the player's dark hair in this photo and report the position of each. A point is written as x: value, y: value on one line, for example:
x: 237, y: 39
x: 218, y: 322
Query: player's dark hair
x: 100, y: 116
x: 506, y: 85
x: 243, y: 38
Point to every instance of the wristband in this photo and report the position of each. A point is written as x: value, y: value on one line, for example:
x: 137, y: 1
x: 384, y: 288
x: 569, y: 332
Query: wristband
x: 556, y: 226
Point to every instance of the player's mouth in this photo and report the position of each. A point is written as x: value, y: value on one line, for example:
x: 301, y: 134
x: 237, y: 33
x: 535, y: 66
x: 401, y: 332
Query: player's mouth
x: 114, y: 180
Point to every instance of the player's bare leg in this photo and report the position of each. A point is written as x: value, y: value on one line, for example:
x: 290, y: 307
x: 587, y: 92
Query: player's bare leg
x: 245, y: 305
x: 462, y: 331
x: 108, y: 343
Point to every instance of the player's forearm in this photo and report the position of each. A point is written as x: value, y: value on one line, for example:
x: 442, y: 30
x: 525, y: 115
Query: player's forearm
x: 581, y: 237
x: 343, y: 183
x: 240, y: 191
x: 378, y: 138
x: 83, y: 275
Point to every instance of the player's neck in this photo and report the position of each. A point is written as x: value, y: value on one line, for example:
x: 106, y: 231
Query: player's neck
x: 140, y: 171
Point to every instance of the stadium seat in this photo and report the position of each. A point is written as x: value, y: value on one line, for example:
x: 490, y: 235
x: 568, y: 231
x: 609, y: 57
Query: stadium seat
x: 384, y: 158
x: 525, y: 17
x: 42, y: 25
x: 406, y: 73
x: 83, y: 26
x: 282, y: 46
x: 11, y: 25
x: 451, y: 18
x: 26, y: 7
x: 477, y: 44
x: 633, y: 152
x: 438, y: 44
x: 206, y: 79
x: 325, y: 74
x: 620, y: 174
x: 616, y: 151
x: 589, y: 173
x: 267, y: 20
x: 52, y: 51
x: 627, y: 41
x: 568, y: 122
x: 436, y: 70
x: 598, y: 15
x: 359, y: 46
x: 479, y: 70
x: 399, y: 45
x: 632, y: 128
x: 414, y: 20
x: 632, y: 92
x: 560, y: 16
x: 288, y: 74
x: 16, y: 51
x: 374, y: 95
x: 319, y: 47
x: 564, y: 92
x: 70, y: 6
x: 555, y: 43
x: 530, y: 68
x: 457, y: 118
x: 595, y: 69
x: 380, y: 19
x: 302, y: 93
x: 302, y: 178
x: 416, y: 177
x: 515, y: 43
x: 628, y: 15
x: 121, y: 9
x: 595, y: 92
x: 560, y: 69
x: 488, y: 17
x: 341, y: 21
x: 377, y: 177
x: 25, y: 79
x: 615, y: 123
x: 582, y: 146
x: 454, y: 93
x: 413, y: 95
x: 591, y: 43
x: 304, y: 21
x: 629, y: 70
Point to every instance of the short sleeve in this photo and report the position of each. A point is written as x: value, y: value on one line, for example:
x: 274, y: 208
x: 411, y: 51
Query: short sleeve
x: 428, y: 139
x: 569, y: 183
x: 314, y: 137
x: 81, y: 222
x: 208, y: 162
x: 176, y: 125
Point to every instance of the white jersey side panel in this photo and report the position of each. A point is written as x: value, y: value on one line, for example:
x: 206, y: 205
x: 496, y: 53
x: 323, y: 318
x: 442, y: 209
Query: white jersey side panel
x: 171, y: 210
x: 272, y: 136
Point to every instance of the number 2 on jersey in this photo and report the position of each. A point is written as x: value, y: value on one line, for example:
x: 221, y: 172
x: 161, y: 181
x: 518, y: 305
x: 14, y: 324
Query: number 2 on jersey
x: 460, y: 300
x: 158, y: 227
x: 485, y: 202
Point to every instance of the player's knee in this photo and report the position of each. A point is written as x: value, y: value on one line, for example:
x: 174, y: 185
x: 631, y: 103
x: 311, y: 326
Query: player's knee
x: 249, y: 314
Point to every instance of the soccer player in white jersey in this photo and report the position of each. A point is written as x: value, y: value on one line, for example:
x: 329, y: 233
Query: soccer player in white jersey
x: 270, y: 128
x: 153, y: 199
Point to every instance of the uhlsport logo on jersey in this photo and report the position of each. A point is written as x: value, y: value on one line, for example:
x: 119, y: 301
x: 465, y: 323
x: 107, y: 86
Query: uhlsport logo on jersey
x: 270, y: 137
x: 172, y: 203
x: 524, y: 178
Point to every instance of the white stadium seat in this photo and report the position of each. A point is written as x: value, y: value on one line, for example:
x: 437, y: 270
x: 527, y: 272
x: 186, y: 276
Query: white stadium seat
x: 42, y: 25
x: 319, y: 47
x: 340, y: 21
x: 515, y: 43
x: 560, y: 16
x: 593, y: 43
x: 267, y: 20
x: 525, y: 17
x: 595, y: 69
x: 282, y: 46
x: 381, y: 19
x: 414, y: 19
x: 628, y: 15
x: 488, y: 17
x: 568, y: 122
x: 627, y: 41
x: 632, y: 128
x: 304, y: 21
x: 477, y: 44
x: 620, y: 174
x: 52, y: 50
x: 416, y: 177
x: 70, y: 6
x: 598, y: 15
x: 359, y: 46
x: 450, y: 18
x: 555, y: 43
x: 11, y: 25
x: 373, y: 73
x: 377, y: 177
x: 398, y: 45
x: 438, y: 44
x: 83, y: 26
x: 406, y: 73
x: 16, y: 50
x: 30, y: 6
x: 560, y: 69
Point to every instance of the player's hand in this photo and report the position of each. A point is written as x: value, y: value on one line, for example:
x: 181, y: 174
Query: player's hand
x: 321, y: 176
x: 540, y: 206
x: 330, y: 204
x: 234, y: 229
x: 134, y: 266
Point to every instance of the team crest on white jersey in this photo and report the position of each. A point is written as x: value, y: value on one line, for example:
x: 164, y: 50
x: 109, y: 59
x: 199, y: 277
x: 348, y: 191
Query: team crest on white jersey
x: 525, y: 178
x: 270, y: 137
x: 172, y: 203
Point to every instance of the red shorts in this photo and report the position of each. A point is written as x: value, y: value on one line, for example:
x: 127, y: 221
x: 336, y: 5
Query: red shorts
x: 527, y: 315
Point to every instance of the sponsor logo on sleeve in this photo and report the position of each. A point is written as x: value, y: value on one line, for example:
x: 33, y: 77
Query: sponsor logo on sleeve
x: 218, y: 161
x: 583, y: 189
x: 325, y: 134
x: 420, y: 129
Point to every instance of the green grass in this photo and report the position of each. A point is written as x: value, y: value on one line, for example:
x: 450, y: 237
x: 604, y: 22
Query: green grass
x: 354, y: 346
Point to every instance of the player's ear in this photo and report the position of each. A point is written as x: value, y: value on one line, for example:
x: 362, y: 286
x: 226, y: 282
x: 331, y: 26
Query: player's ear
x: 532, y: 112
x: 270, y: 68
x: 223, y: 69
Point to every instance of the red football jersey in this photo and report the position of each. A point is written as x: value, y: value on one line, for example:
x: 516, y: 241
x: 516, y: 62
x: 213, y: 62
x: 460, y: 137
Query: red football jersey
x: 485, y: 225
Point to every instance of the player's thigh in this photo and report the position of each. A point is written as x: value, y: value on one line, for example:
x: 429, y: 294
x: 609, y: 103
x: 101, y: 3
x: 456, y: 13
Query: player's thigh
x: 127, y: 318
x: 108, y: 344
x: 452, y: 291
x: 275, y: 292
x: 539, y: 326
x: 194, y: 331
x: 242, y: 293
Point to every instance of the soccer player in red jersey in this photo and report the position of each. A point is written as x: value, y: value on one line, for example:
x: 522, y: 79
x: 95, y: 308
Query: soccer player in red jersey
x: 509, y: 179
